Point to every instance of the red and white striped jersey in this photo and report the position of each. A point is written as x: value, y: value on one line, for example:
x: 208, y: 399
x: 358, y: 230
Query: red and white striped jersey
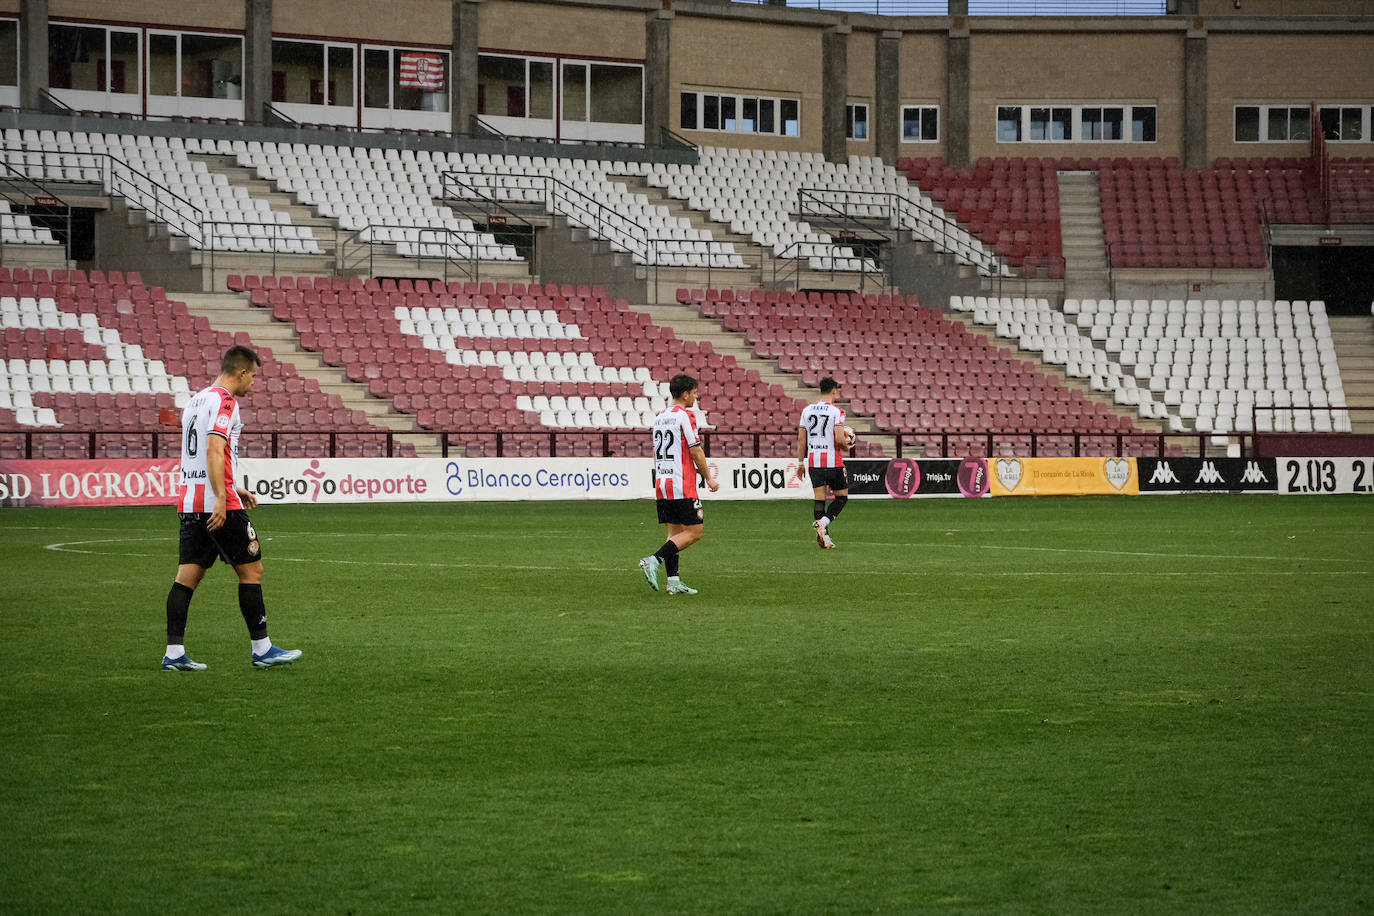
x: 675, y: 434
x: 820, y: 420
x: 211, y: 420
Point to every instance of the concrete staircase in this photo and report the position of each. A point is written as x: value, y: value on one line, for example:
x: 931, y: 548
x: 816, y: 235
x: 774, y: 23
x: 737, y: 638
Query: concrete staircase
x: 1080, y: 226
x: 232, y: 312
x: 1353, y: 338
x: 688, y: 324
x: 762, y: 269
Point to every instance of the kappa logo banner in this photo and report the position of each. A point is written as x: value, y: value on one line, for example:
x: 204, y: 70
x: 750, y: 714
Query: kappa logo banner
x: 1208, y: 475
x: 1064, y: 476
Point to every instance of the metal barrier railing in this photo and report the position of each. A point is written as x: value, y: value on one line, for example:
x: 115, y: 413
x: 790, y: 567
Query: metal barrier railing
x: 654, y: 252
x: 551, y: 442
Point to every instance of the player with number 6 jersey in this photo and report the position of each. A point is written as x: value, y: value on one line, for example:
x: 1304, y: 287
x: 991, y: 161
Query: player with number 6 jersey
x: 678, y: 458
x: 214, y: 516
x: 213, y: 411
x: 820, y: 455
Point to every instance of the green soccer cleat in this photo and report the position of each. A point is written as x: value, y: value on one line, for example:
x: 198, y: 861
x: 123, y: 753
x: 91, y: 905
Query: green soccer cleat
x: 650, y: 567
x: 677, y: 588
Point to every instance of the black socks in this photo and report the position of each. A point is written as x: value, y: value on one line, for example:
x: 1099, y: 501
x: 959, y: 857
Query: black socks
x: 253, y: 610
x: 178, y: 607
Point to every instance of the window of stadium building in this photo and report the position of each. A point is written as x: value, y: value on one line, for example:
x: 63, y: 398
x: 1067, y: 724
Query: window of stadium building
x: 1272, y: 123
x: 615, y: 94
x: 1051, y: 123
x: 856, y: 122
x: 405, y: 79
x: 312, y: 73
x: 601, y: 101
x: 515, y: 87
x: 9, y: 55
x: 92, y: 59
x: 1076, y: 124
x: 920, y: 124
x: 749, y: 114
x: 405, y: 88
x: 195, y: 73
x: 1344, y: 123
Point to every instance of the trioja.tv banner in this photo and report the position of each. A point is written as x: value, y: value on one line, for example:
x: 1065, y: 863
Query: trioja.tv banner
x: 1063, y: 477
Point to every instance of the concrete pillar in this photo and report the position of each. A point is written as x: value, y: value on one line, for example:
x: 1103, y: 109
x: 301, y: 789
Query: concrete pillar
x: 462, y: 84
x: 658, y: 73
x: 958, y: 61
x: 887, y: 97
x: 834, y: 91
x: 257, y: 58
x: 1195, y: 96
x: 33, y: 52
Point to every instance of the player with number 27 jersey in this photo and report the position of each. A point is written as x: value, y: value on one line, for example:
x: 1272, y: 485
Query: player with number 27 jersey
x: 819, y: 422
x: 210, y: 420
x: 675, y: 435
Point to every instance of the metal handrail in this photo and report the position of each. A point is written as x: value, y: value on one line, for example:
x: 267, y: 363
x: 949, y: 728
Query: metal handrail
x: 905, y: 214
x: 451, y: 242
x: 51, y: 104
x: 480, y: 128
x: 118, y: 177
x: 670, y: 139
x: 274, y: 116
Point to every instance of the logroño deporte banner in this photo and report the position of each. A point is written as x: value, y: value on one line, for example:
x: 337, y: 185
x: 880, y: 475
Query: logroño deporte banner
x: 154, y: 482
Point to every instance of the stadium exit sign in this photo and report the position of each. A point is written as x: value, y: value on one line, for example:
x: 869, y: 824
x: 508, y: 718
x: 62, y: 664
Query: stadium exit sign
x: 1329, y: 241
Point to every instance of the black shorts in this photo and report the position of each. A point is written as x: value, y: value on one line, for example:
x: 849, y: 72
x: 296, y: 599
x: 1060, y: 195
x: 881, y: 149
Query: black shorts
x: 835, y: 478
x: 680, y: 512
x: 236, y: 543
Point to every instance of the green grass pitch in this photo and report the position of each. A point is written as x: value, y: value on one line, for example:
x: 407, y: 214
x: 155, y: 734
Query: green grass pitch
x: 1157, y: 705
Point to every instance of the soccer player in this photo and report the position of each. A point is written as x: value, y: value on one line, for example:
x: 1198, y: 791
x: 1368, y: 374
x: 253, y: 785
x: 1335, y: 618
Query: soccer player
x: 678, y: 457
x: 819, y: 454
x: 214, y: 520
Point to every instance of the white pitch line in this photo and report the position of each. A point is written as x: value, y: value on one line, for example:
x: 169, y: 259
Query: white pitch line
x: 71, y: 547
x: 1154, y: 555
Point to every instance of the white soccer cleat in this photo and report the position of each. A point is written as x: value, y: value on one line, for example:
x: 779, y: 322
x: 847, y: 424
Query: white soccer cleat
x: 822, y: 535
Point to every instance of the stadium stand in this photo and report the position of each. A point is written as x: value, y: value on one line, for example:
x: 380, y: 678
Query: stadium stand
x: 388, y: 195
x: 1157, y: 214
x: 555, y: 365
x: 759, y: 194
x: 209, y: 211
x: 1202, y: 366
x: 919, y: 373
x: 104, y: 353
x: 1011, y: 204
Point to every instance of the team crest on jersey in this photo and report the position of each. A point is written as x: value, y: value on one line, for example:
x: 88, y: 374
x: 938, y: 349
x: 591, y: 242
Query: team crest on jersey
x: 253, y: 548
x: 222, y: 421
